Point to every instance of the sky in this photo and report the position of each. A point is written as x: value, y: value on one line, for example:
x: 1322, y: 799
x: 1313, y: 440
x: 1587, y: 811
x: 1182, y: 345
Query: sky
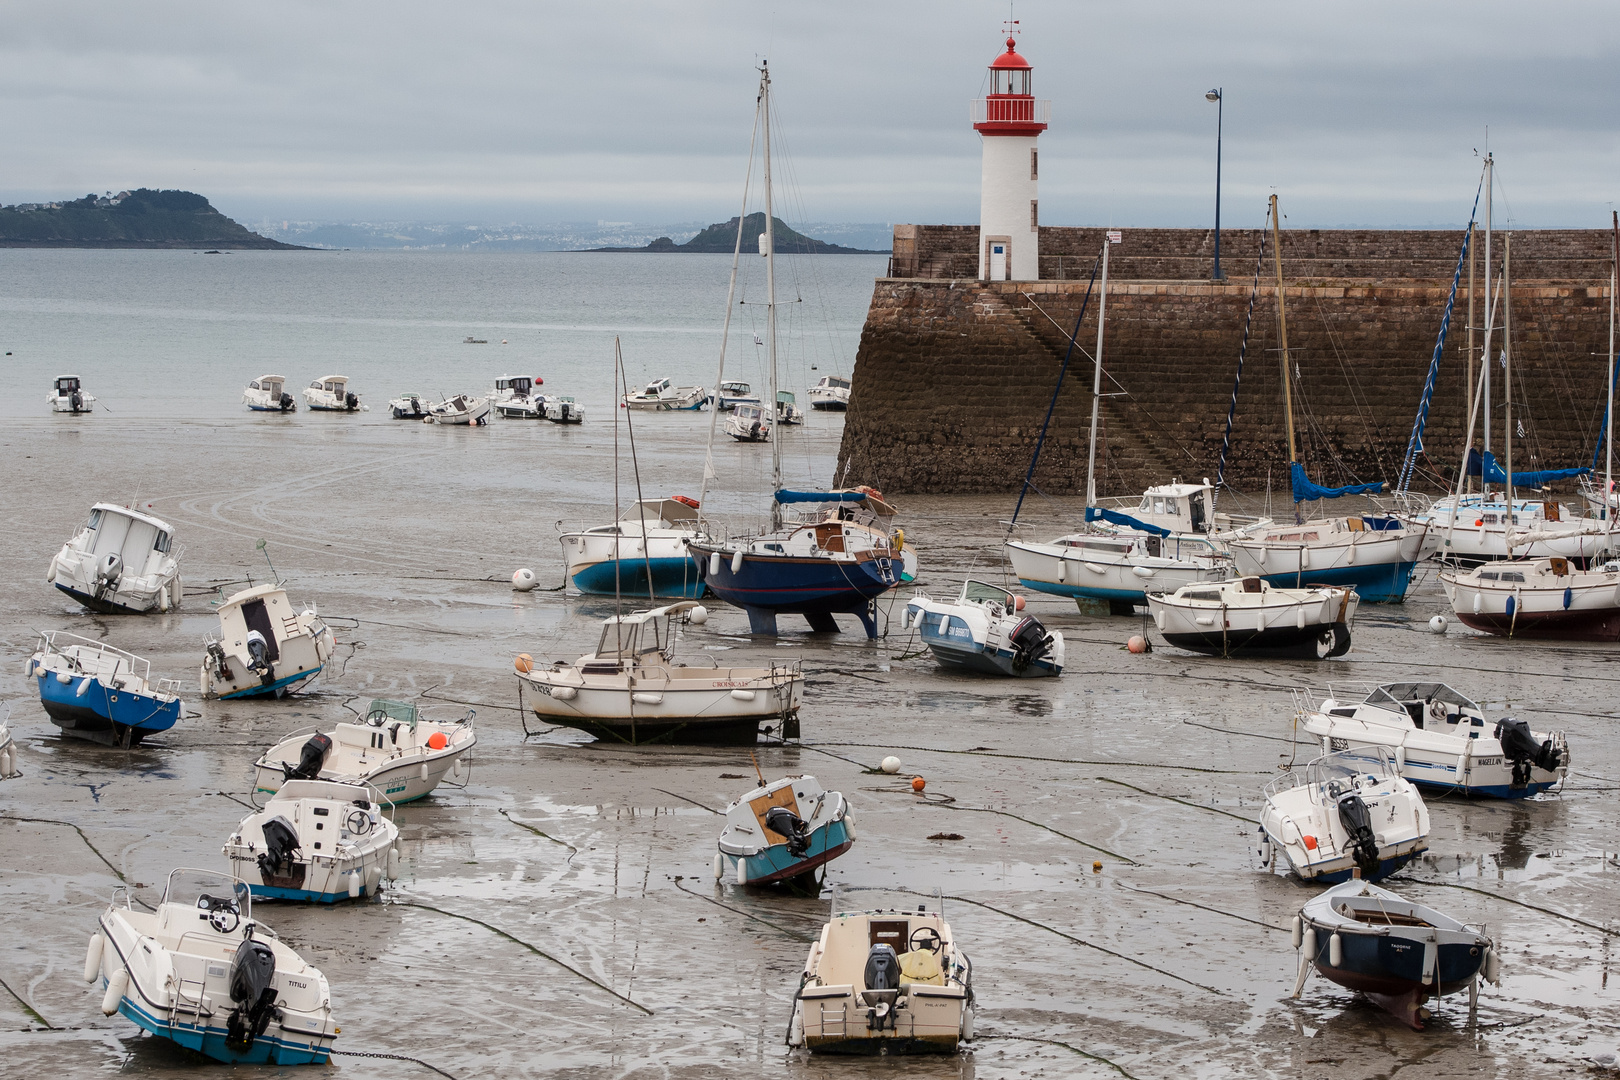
x: 534, y: 111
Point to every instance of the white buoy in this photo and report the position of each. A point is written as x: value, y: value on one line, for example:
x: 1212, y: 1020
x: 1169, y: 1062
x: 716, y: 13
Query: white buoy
x: 891, y: 765
x: 742, y: 871
x: 698, y: 615
x: 967, y: 1024
x: 115, y: 992
x: 1493, y: 967
x: 524, y: 580
x: 1336, y: 951
x: 92, y: 959
x: 1438, y: 624
x: 719, y: 866
x: 1299, y: 932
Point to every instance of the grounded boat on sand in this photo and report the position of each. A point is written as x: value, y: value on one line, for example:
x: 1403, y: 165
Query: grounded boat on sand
x: 983, y: 631
x: 1248, y: 617
x: 831, y: 393
x: 734, y: 393
x: 70, y: 396
x: 781, y: 831
x: 268, y: 393
x: 93, y: 691
x: 264, y: 647
x: 460, y: 409
x: 646, y: 545
x: 201, y: 972
x: 749, y: 422
x: 317, y: 840
x: 514, y: 397
x: 123, y: 562
x: 560, y: 409
x: 662, y: 395
x: 1371, y: 553
x: 331, y: 393
x: 1542, y: 599
x: 394, y: 751
x: 1343, y: 814
x: 410, y: 406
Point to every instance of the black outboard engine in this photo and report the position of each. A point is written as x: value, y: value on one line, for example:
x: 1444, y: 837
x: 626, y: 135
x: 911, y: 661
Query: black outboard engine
x: 280, y: 841
x: 351, y: 401
x: 252, y: 968
x: 259, y: 659
x: 310, y: 759
x: 1357, y: 822
x: 1521, y: 748
x: 1030, y: 642
x: 882, y: 968
x: 287, y: 403
x: 76, y: 401
x: 779, y: 819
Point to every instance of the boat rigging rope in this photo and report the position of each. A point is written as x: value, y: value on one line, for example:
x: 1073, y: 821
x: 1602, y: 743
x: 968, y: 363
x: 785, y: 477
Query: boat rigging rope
x: 1072, y: 1049
x: 1237, y: 381
x: 794, y: 934
x: 1026, y: 757
x: 1172, y: 798
x: 393, y: 1057
x: 1201, y: 907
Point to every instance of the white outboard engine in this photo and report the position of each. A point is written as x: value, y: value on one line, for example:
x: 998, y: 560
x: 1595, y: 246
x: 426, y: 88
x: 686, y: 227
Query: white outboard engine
x: 109, y: 568
x: 781, y: 820
x: 252, y: 969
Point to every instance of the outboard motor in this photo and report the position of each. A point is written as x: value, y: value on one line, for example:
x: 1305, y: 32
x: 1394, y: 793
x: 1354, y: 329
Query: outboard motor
x: 76, y: 401
x: 1030, y: 642
x: 252, y: 968
x: 310, y: 759
x: 216, y: 657
x: 882, y: 978
x: 1357, y: 822
x: 287, y: 403
x: 779, y: 819
x: 258, y: 657
x: 109, y: 568
x: 1521, y: 748
x: 280, y: 841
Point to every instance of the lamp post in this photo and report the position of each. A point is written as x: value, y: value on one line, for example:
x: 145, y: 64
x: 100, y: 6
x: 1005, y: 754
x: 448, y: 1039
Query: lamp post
x: 1219, y: 99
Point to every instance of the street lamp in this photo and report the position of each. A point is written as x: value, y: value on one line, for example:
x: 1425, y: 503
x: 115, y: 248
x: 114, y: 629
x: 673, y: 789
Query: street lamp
x: 1220, y: 106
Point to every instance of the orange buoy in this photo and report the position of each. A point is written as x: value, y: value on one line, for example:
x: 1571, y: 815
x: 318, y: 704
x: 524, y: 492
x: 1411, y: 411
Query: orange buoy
x: 524, y: 663
x: 1310, y: 842
x: 1096, y: 866
x: 1137, y: 644
x: 1018, y: 603
x: 437, y: 741
x: 918, y: 783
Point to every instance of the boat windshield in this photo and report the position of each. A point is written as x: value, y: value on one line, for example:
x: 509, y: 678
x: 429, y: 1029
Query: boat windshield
x: 979, y: 592
x: 1339, y: 771
x: 381, y: 712
x: 1397, y: 696
x: 210, y: 891
x: 626, y: 640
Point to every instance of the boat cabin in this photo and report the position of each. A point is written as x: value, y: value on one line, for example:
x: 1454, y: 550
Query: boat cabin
x: 270, y: 384
x: 658, y: 388
x: 264, y: 608
x: 675, y: 512
x: 1433, y: 705
x: 834, y: 382
x: 67, y: 385
x: 133, y: 536
x: 736, y: 389
x: 1180, y: 508
x: 515, y: 385
x: 636, y: 638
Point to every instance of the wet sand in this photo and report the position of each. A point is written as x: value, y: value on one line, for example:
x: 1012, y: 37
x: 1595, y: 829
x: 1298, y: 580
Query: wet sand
x: 557, y: 916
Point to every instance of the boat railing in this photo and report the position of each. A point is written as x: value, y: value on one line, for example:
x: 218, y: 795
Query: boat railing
x: 1342, y: 765
x: 100, y: 652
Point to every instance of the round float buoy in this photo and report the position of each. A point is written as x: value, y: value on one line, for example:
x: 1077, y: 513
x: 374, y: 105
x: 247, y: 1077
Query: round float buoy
x: 524, y: 663
x: 524, y: 580
x: 1309, y: 842
x: 698, y: 615
x: 1137, y: 644
x: 438, y: 741
x: 1018, y: 603
x: 918, y: 783
x: 890, y: 765
x: 1438, y: 624
x: 1096, y: 866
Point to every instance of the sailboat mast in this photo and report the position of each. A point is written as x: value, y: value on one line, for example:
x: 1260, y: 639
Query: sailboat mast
x: 1096, y: 380
x: 1608, y: 436
x: 1507, y: 375
x: 1490, y: 315
x: 1473, y: 257
x: 1282, y: 329
x: 770, y: 298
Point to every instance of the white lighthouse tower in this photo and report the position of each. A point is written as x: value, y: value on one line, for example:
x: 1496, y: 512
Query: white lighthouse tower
x: 1010, y: 119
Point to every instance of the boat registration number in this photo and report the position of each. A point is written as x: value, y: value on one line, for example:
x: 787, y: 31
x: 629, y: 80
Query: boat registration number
x: 1488, y: 761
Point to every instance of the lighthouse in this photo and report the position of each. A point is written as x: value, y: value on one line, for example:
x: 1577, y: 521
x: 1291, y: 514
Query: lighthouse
x: 1010, y: 120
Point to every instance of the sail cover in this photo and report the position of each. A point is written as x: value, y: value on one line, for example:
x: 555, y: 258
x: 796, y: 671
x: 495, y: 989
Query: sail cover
x: 1114, y: 517
x: 1304, y: 489
x: 785, y: 496
x: 1493, y: 473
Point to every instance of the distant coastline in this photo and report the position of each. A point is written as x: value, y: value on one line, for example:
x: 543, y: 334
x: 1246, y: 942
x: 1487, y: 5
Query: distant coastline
x: 721, y: 238
x: 143, y: 218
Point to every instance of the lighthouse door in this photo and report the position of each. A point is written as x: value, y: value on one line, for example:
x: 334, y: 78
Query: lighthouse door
x: 998, y: 262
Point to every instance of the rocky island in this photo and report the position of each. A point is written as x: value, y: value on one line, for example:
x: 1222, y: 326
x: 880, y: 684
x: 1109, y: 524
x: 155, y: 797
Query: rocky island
x: 144, y: 218
x: 721, y: 239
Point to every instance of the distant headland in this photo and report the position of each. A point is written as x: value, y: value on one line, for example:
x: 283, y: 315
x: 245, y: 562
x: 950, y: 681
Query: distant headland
x: 144, y: 218
x: 722, y: 239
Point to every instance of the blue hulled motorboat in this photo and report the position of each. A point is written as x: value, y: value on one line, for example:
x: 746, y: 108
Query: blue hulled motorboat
x: 781, y: 831
x: 93, y: 691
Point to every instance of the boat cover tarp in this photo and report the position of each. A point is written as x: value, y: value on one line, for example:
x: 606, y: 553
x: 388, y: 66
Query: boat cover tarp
x: 1114, y: 517
x: 1304, y: 489
x: 785, y: 496
x: 1493, y: 473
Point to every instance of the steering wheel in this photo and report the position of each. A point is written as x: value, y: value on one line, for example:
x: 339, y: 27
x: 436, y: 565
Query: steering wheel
x: 358, y: 822
x: 223, y: 914
x: 925, y: 937
x: 1437, y: 711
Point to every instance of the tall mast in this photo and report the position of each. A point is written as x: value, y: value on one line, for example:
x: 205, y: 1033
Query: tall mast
x: 1507, y: 377
x: 1096, y: 380
x: 1490, y: 314
x: 1473, y: 257
x: 770, y: 297
x: 1608, y: 436
x: 1282, y: 329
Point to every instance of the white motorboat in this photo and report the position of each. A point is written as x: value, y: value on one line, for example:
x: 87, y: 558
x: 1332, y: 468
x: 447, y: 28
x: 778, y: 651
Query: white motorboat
x: 410, y: 406
x: 1439, y: 739
x: 984, y: 631
x: 631, y: 690
x: 1118, y: 567
x: 460, y: 409
x: 394, y: 751
x: 647, y: 544
x: 1247, y: 617
x: 268, y: 393
x: 1346, y: 812
x: 734, y: 393
x: 1546, y: 599
x: 781, y: 831
x: 884, y: 981
x: 203, y: 973
x: 561, y: 409
x: 94, y: 691
x: 514, y: 396
x: 70, y: 396
x: 749, y: 422
x: 831, y: 393
x: 787, y: 408
x: 264, y: 647
x: 332, y: 394
x: 1371, y: 553
x: 662, y: 395
x: 318, y: 840
x: 1397, y: 952
x: 122, y: 562
x: 1478, y: 531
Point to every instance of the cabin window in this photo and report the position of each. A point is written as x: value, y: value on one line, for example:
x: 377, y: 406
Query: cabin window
x: 162, y: 543
x: 253, y: 386
x: 1158, y: 506
x: 316, y: 385
x: 1489, y: 575
x: 1173, y: 507
x: 1147, y: 505
x: 1512, y: 575
x: 95, y: 519
x: 1034, y: 215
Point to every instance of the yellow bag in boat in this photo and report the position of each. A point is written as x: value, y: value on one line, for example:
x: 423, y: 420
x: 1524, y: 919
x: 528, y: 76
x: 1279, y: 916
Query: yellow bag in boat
x: 920, y: 966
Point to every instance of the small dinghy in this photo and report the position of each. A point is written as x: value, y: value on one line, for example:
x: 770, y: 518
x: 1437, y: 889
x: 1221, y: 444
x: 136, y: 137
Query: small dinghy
x: 461, y: 409
x: 264, y: 646
x: 93, y: 691
x: 1344, y: 813
x: 1250, y: 617
x: 320, y: 840
x: 514, y: 397
x: 268, y: 393
x: 1438, y: 739
x: 561, y: 409
x: 662, y: 395
x: 1397, y: 952
x: 783, y: 830
x: 201, y: 972
x: 410, y: 406
x: 630, y: 689
x: 983, y: 631
x: 332, y: 394
x: 70, y: 396
x: 122, y: 562
x: 394, y: 751
x: 884, y: 982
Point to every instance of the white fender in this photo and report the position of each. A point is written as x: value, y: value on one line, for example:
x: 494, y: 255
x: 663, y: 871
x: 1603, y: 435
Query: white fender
x: 1299, y: 932
x: 719, y: 866
x: 1143, y: 571
x: 742, y: 871
x: 1094, y: 568
x: 354, y: 885
x: 393, y: 863
x: 647, y: 698
x: 1493, y: 967
x: 565, y: 693
x: 1158, y: 619
x: 115, y: 992
x: 455, y: 766
x: 1308, y: 944
x: 796, y: 1029
x: 422, y: 772
x: 1350, y: 560
x: 1479, y: 603
x: 1201, y: 620
x: 1063, y: 570
x: 63, y: 677
x: 1299, y: 617
x: 1336, y: 951
x: 743, y: 695
x: 92, y: 958
x: 1304, y: 558
x: 373, y: 878
x: 1260, y: 620
x: 83, y: 687
x: 967, y: 1024
x: 1400, y: 758
x: 736, y: 562
x: 714, y: 564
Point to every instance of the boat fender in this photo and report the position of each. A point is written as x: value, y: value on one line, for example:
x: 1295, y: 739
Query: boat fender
x: 796, y: 1029
x: 115, y: 992
x: 1299, y: 932
x: 373, y: 879
x: 1143, y: 571
x: 393, y: 862
x: 698, y: 615
x: 8, y: 762
x: 736, y: 562
x: 92, y: 958
x: 354, y: 884
x: 1063, y: 569
x: 1568, y: 596
x: 1479, y: 603
x: 1308, y: 943
x: 84, y: 686
x: 1493, y: 967
x: 1336, y: 951
x: 967, y: 1024
x: 714, y: 563
x: 422, y: 772
x: 455, y: 766
x: 564, y: 693
x: 743, y: 695
x: 1400, y: 759
x: 1299, y: 618
x: 647, y: 699
x: 742, y: 871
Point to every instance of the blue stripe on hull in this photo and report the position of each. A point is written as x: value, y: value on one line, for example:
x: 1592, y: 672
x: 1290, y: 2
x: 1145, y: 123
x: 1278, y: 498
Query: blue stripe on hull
x: 275, y: 892
x: 1076, y: 591
x: 1375, y: 583
x: 802, y: 586
x: 675, y: 578
x: 280, y: 684
x: 991, y: 663
x: 1484, y: 791
x: 267, y: 1049
x: 1386, y: 867
x: 775, y: 864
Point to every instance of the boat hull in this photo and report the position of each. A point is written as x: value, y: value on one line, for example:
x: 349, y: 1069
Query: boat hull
x: 108, y: 717
x: 1602, y: 624
x: 399, y: 784
x: 672, y: 577
x: 818, y: 588
x: 291, y: 684
x: 1064, y: 570
x: 1379, y: 583
x: 1376, y: 964
x: 774, y: 864
x: 209, y: 1040
x: 107, y: 607
x: 1331, y: 873
x: 992, y: 662
x: 1283, y: 641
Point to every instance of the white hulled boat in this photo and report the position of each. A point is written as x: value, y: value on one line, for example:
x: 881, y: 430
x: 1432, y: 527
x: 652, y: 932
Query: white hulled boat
x: 317, y: 840
x: 460, y: 409
x: 662, y: 395
x: 1119, y: 567
x: 410, y: 406
x: 733, y: 393
x: 1247, y: 617
x: 984, y: 631
x: 68, y: 395
x: 831, y: 393
x: 264, y: 646
x: 268, y: 393
x: 1344, y: 812
x: 394, y: 751
x: 331, y: 393
x: 749, y: 422
x: 781, y: 831
x: 1371, y: 553
x: 1477, y: 533
x: 561, y: 409
x: 787, y: 408
x: 122, y: 562
x: 648, y: 542
x: 1547, y: 599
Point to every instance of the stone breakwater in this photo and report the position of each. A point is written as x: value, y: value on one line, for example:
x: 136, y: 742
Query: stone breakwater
x: 954, y: 376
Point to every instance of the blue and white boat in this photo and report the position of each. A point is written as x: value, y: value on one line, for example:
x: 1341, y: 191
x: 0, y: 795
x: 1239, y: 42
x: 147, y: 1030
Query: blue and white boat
x: 1371, y: 553
x: 984, y: 631
x: 733, y: 393
x: 268, y: 393
x: 647, y: 543
x: 316, y: 840
x: 1397, y: 952
x: 93, y: 691
x: 781, y: 831
x: 1440, y: 739
x: 265, y: 648
x: 1343, y: 814
x: 201, y: 972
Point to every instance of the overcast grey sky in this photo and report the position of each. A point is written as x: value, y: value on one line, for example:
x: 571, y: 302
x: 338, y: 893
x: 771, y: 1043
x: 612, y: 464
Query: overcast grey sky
x: 538, y: 111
